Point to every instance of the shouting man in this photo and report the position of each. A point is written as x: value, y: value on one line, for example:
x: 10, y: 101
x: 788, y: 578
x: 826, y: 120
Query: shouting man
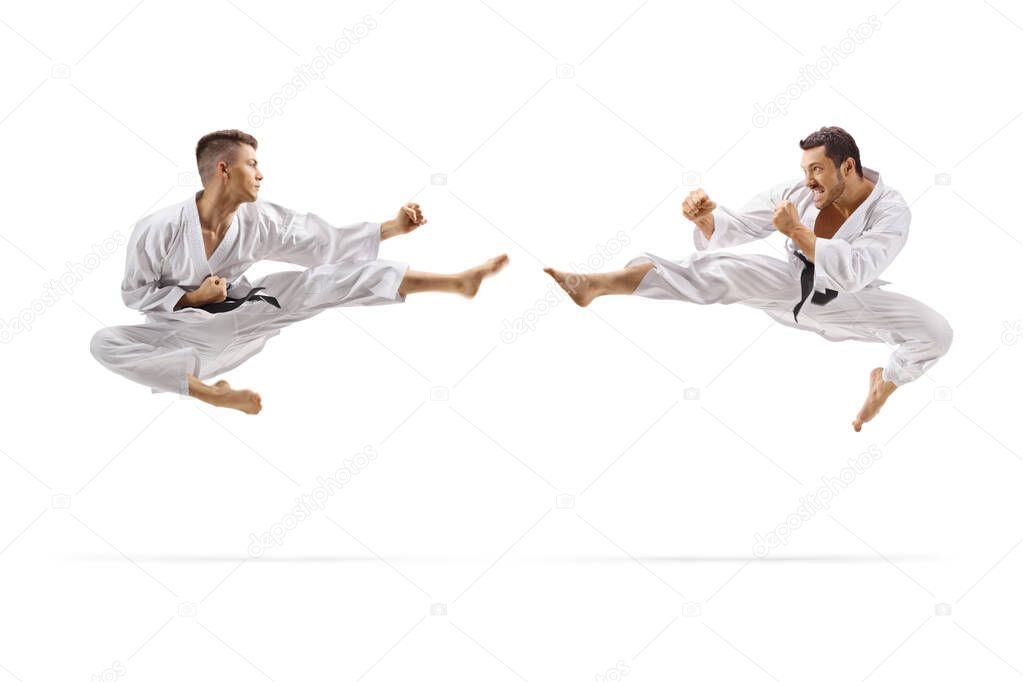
x: 185, y: 270
x: 844, y: 227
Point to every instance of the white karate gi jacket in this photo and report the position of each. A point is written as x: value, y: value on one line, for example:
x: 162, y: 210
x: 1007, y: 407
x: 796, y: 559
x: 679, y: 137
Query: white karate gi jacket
x: 166, y: 256
x: 865, y: 244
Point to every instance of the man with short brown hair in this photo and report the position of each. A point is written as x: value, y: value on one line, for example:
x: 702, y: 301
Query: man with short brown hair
x: 844, y: 228
x: 185, y: 270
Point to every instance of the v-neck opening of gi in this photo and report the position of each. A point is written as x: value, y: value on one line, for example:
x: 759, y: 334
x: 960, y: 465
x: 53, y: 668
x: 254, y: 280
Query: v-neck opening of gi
x: 200, y: 243
x: 869, y: 201
x: 845, y: 223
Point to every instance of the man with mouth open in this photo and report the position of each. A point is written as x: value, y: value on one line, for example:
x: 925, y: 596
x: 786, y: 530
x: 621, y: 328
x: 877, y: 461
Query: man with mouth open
x: 185, y: 271
x: 844, y: 227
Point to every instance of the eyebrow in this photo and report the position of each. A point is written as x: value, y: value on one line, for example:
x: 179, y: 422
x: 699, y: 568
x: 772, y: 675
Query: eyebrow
x: 815, y: 163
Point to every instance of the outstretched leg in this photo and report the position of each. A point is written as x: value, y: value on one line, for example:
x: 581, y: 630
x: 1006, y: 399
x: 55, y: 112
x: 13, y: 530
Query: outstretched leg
x: 221, y: 394
x: 466, y: 283
x: 583, y: 288
x: 705, y: 277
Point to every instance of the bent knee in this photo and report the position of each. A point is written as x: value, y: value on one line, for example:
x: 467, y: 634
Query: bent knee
x: 939, y: 333
x: 100, y: 342
x: 103, y: 343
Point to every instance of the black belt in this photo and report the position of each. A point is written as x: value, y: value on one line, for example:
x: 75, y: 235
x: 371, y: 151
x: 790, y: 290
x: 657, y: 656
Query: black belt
x: 232, y: 303
x: 806, y: 288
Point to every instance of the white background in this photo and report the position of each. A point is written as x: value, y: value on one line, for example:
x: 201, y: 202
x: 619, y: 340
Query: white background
x: 126, y: 516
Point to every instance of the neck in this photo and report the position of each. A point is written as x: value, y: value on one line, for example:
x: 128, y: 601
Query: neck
x: 856, y: 192
x: 216, y: 212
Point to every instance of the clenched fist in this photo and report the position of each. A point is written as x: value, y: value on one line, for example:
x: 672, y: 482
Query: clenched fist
x: 697, y: 205
x: 212, y: 290
x: 409, y: 218
x: 786, y: 218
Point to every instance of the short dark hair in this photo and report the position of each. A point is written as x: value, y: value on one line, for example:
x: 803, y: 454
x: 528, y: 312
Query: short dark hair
x: 838, y: 145
x: 217, y: 146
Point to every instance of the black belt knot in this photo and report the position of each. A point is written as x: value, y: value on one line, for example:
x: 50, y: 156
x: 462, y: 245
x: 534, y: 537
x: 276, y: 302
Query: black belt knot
x: 806, y: 288
x: 232, y: 303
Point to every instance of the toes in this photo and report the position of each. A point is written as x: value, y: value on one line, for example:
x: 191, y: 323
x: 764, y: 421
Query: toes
x: 558, y: 275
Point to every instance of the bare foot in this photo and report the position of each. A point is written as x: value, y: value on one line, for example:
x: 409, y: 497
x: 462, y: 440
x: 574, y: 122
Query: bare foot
x: 222, y: 395
x: 876, y: 397
x: 581, y: 288
x: 471, y: 279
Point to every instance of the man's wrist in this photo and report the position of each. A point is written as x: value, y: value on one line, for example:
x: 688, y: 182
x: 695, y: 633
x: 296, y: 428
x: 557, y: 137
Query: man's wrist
x: 805, y: 239
x: 706, y: 225
x: 189, y: 300
x: 388, y: 228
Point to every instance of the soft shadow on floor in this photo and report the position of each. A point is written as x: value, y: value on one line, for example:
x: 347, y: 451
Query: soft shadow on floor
x: 593, y: 559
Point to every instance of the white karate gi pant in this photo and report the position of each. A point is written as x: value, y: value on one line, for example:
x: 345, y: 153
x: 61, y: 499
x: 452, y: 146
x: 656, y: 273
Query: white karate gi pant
x: 163, y: 351
x: 918, y: 335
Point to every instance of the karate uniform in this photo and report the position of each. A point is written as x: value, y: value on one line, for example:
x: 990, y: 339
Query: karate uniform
x: 167, y: 258
x: 849, y: 263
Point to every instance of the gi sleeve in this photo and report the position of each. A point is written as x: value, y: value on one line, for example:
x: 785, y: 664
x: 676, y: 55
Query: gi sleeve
x: 141, y: 288
x: 855, y: 264
x: 307, y: 239
x: 754, y: 221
